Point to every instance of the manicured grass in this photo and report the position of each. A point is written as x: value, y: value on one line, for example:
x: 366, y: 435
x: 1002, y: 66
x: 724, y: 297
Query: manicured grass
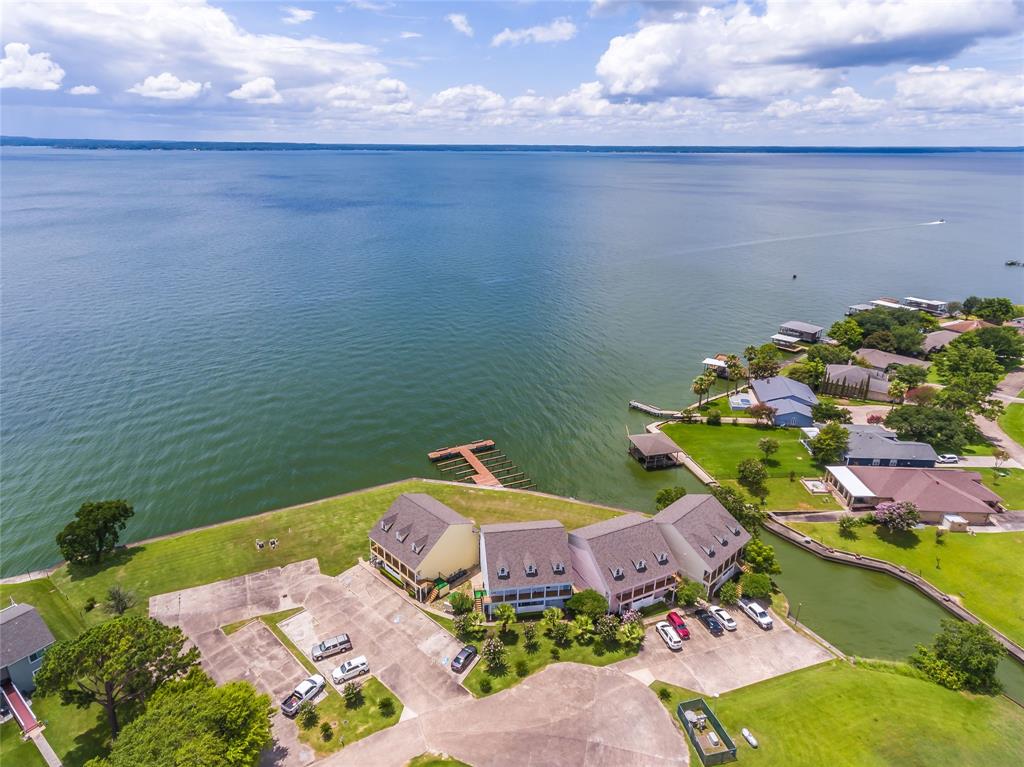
x: 64, y: 620
x: 76, y: 734
x: 984, y: 448
x: 1008, y: 484
x: 720, y: 448
x: 351, y: 724
x: 1012, y: 422
x: 721, y: 406
x: 784, y: 495
x: 847, y: 401
x: 435, y: 760
x: 983, y: 570
x: 843, y: 716
x: 520, y: 662
x: 334, y: 531
x: 14, y: 750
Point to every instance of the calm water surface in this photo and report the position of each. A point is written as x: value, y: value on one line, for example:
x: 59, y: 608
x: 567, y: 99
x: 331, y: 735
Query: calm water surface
x: 215, y: 334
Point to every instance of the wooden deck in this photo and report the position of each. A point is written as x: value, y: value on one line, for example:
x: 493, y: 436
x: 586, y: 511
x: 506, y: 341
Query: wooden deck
x: 480, y: 463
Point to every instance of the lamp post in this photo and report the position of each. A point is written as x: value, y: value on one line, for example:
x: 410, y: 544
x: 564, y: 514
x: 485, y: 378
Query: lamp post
x: 798, y: 606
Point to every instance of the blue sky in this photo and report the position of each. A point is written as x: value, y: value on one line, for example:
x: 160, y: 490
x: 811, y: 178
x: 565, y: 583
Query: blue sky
x: 842, y: 72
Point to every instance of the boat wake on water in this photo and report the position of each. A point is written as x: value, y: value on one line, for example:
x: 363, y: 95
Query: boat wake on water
x: 933, y: 223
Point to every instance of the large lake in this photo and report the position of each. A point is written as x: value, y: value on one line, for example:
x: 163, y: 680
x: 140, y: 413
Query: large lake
x: 213, y: 334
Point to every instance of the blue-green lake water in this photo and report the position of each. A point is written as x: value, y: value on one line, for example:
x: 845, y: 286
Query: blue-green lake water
x: 213, y: 334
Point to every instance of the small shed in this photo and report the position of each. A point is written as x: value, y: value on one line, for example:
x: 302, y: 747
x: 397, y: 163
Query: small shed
x: 653, y: 450
x: 954, y: 523
x: 789, y: 343
x: 804, y: 331
x: 718, y: 365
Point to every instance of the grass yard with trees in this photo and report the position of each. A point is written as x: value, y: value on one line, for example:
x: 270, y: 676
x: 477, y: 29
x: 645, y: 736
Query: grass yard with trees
x: 982, y: 570
x: 1012, y: 422
x: 872, y: 715
x: 1008, y: 484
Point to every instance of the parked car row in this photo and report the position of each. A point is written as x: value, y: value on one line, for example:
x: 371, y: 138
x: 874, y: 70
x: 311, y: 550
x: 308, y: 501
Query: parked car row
x: 308, y: 689
x: 714, y: 618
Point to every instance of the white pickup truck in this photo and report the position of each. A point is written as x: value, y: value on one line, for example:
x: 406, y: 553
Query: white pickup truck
x: 756, y: 613
x: 306, y: 690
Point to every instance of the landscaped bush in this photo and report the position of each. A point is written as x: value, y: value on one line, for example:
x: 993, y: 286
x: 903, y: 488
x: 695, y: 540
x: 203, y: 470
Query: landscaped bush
x: 386, y: 707
x: 466, y: 624
x: 353, y: 695
x: 461, y: 603
x: 90, y: 603
x: 848, y: 526
x: 664, y: 694
x: 875, y: 418
x: 485, y: 685
x: 583, y: 627
x: 561, y: 632
x: 308, y: 716
x: 521, y: 668
x: 326, y: 731
x: 729, y: 593
x: 494, y: 654
x: 607, y: 628
x: 530, y: 636
x: 714, y: 419
x: 897, y: 516
x: 587, y: 602
x: 632, y: 616
x: 689, y: 592
x: 756, y: 585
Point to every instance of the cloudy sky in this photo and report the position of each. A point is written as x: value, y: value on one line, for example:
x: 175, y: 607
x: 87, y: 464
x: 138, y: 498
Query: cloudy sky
x: 841, y: 72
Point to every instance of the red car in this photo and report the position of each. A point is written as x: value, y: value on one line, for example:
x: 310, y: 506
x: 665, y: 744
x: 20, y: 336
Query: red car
x: 677, y: 623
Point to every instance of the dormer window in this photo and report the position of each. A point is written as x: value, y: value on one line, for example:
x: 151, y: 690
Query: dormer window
x: 503, y: 572
x: 721, y: 539
x: 402, y: 534
x: 640, y: 565
x: 662, y: 557
x: 735, y: 529
x: 386, y: 523
x: 558, y: 568
x: 417, y: 548
x: 618, y: 573
x: 709, y: 550
x: 531, y: 569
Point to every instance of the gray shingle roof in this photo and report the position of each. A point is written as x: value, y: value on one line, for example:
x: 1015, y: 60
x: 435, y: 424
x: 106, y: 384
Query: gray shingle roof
x: 780, y: 387
x: 419, y: 520
x: 855, y: 375
x: 802, y: 327
x: 868, y: 441
x: 881, y: 360
x: 938, y: 339
x: 706, y: 525
x: 517, y: 545
x: 632, y: 544
x: 22, y: 632
x: 653, y: 444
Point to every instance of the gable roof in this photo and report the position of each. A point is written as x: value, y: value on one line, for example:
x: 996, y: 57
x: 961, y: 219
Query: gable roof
x: 517, y: 545
x: 948, y: 491
x: 414, y: 523
x: 938, y: 339
x: 779, y: 387
x: 966, y: 326
x: 855, y: 375
x: 868, y: 441
x: 707, y: 526
x: 631, y: 543
x: 22, y: 632
x: 656, y: 443
x: 881, y: 360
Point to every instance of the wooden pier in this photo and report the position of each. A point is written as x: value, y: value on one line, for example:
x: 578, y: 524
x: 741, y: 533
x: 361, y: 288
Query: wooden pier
x: 480, y: 463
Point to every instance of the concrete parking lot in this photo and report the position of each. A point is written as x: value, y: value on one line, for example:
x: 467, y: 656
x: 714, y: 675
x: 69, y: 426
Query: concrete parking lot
x: 713, y: 665
x: 566, y: 714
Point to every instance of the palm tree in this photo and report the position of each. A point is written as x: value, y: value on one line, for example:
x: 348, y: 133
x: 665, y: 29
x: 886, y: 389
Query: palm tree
x: 700, y: 387
x: 505, y: 614
x: 735, y: 370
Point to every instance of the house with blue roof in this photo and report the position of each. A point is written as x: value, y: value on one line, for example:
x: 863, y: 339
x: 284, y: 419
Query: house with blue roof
x: 791, y: 399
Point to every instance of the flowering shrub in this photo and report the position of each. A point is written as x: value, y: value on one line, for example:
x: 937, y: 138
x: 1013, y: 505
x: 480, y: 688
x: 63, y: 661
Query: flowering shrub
x: 631, y: 616
x: 875, y: 418
x: 897, y: 516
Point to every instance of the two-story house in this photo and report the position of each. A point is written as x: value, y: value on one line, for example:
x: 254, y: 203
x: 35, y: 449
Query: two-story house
x: 526, y: 565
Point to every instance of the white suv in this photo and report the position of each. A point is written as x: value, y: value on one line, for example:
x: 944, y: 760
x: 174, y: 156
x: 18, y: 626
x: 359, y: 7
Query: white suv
x: 947, y: 458
x: 669, y: 635
x: 757, y: 613
x: 350, y: 669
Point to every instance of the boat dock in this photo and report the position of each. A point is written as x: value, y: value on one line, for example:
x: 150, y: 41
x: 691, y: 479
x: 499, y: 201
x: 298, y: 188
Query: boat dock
x: 480, y: 463
x: 652, y: 410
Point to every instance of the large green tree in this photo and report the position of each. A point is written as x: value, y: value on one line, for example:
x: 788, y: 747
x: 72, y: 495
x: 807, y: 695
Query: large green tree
x: 667, y: 496
x: 763, y: 361
x: 193, y: 722
x: 94, y: 531
x: 587, y: 602
x: 962, y: 359
x: 996, y: 310
x: 1005, y: 343
x: 115, y: 663
x: 945, y: 430
x: 962, y: 655
x: 761, y: 557
x: 831, y: 443
x: 846, y: 333
x: 749, y: 515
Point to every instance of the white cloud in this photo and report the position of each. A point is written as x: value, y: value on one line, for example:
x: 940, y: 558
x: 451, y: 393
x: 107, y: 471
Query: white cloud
x: 387, y: 96
x: 168, y: 87
x: 465, y: 100
x: 745, y: 51
x: 973, y: 89
x: 35, y: 71
x: 409, y: 35
x: 297, y: 15
x: 84, y: 90
x: 262, y: 90
x: 557, y: 31
x: 368, y: 5
x: 842, y: 105
x: 460, y: 23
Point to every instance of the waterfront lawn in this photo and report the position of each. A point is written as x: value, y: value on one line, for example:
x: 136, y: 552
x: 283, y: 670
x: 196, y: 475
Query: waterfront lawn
x: 1008, y: 484
x: 1012, y: 422
x: 435, y: 760
x: 721, y: 406
x: 983, y: 570
x: 333, y: 531
x: 14, y: 750
x: 351, y: 724
x: 719, y: 449
x: 64, y: 620
x: 76, y: 734
x: 846, y: 716
x: 784, y: 495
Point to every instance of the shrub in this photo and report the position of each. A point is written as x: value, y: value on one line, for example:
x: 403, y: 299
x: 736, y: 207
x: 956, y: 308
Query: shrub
x: 940, y: 536
x: 667, y: 496
x: 353, y: 695
x: 756, y: 585
x: 689, y: 592
x: 466, y: 624
x: 521, y: 668
x: 326, y: 732
x: 485, y: 685
x: 967, y: 652
x: 386, y: 707
x: 729, y: 593
x: 607, y: 628
x: 119, y: 600
x: 583, y: 627
x: 555, y: 654
x: 664, y: 694
x: 792, y: 476
x: 552, y: 617
x: 761, y: 557
x: 308, y: 716
x: 494, y: 653
x: 530, y: 635
x: 714, y: 419
x: 936, y: 669
x: 632, y: 616
x: 848, y: 526
x: 768, y: 446
x: 587, y: 602
x: 560, y: 633
x: 461, y: 603
x: 875, y: 418
x: 90, y: 603
x: 897, y: 516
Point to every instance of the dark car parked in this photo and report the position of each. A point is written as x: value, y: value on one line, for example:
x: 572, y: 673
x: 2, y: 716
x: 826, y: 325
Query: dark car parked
x: 710, y: 622
x: 464, y: 658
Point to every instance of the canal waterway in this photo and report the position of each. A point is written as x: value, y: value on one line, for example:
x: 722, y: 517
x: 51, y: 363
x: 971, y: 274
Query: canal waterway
x: 864, y: 613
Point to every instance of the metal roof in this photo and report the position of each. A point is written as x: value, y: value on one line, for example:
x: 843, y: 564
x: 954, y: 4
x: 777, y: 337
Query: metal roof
x: 850, y: 481
x: 713, y: 362
x: 802, y: 327
x: 785, y: 339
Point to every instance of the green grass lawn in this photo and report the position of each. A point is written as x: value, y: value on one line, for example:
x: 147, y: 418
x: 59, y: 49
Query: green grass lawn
x: 351, y: 724
x: 14, y: 750
x: 721, y: 406
x: 1008, y: 484
x: 334, y: 531
x: 76, y: 734
x: 784, y: 495
x: 435, y: 760
x: 842, y: 716
x: 1012, y: 422
x: 983, y: 570
x: 984, y: 448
